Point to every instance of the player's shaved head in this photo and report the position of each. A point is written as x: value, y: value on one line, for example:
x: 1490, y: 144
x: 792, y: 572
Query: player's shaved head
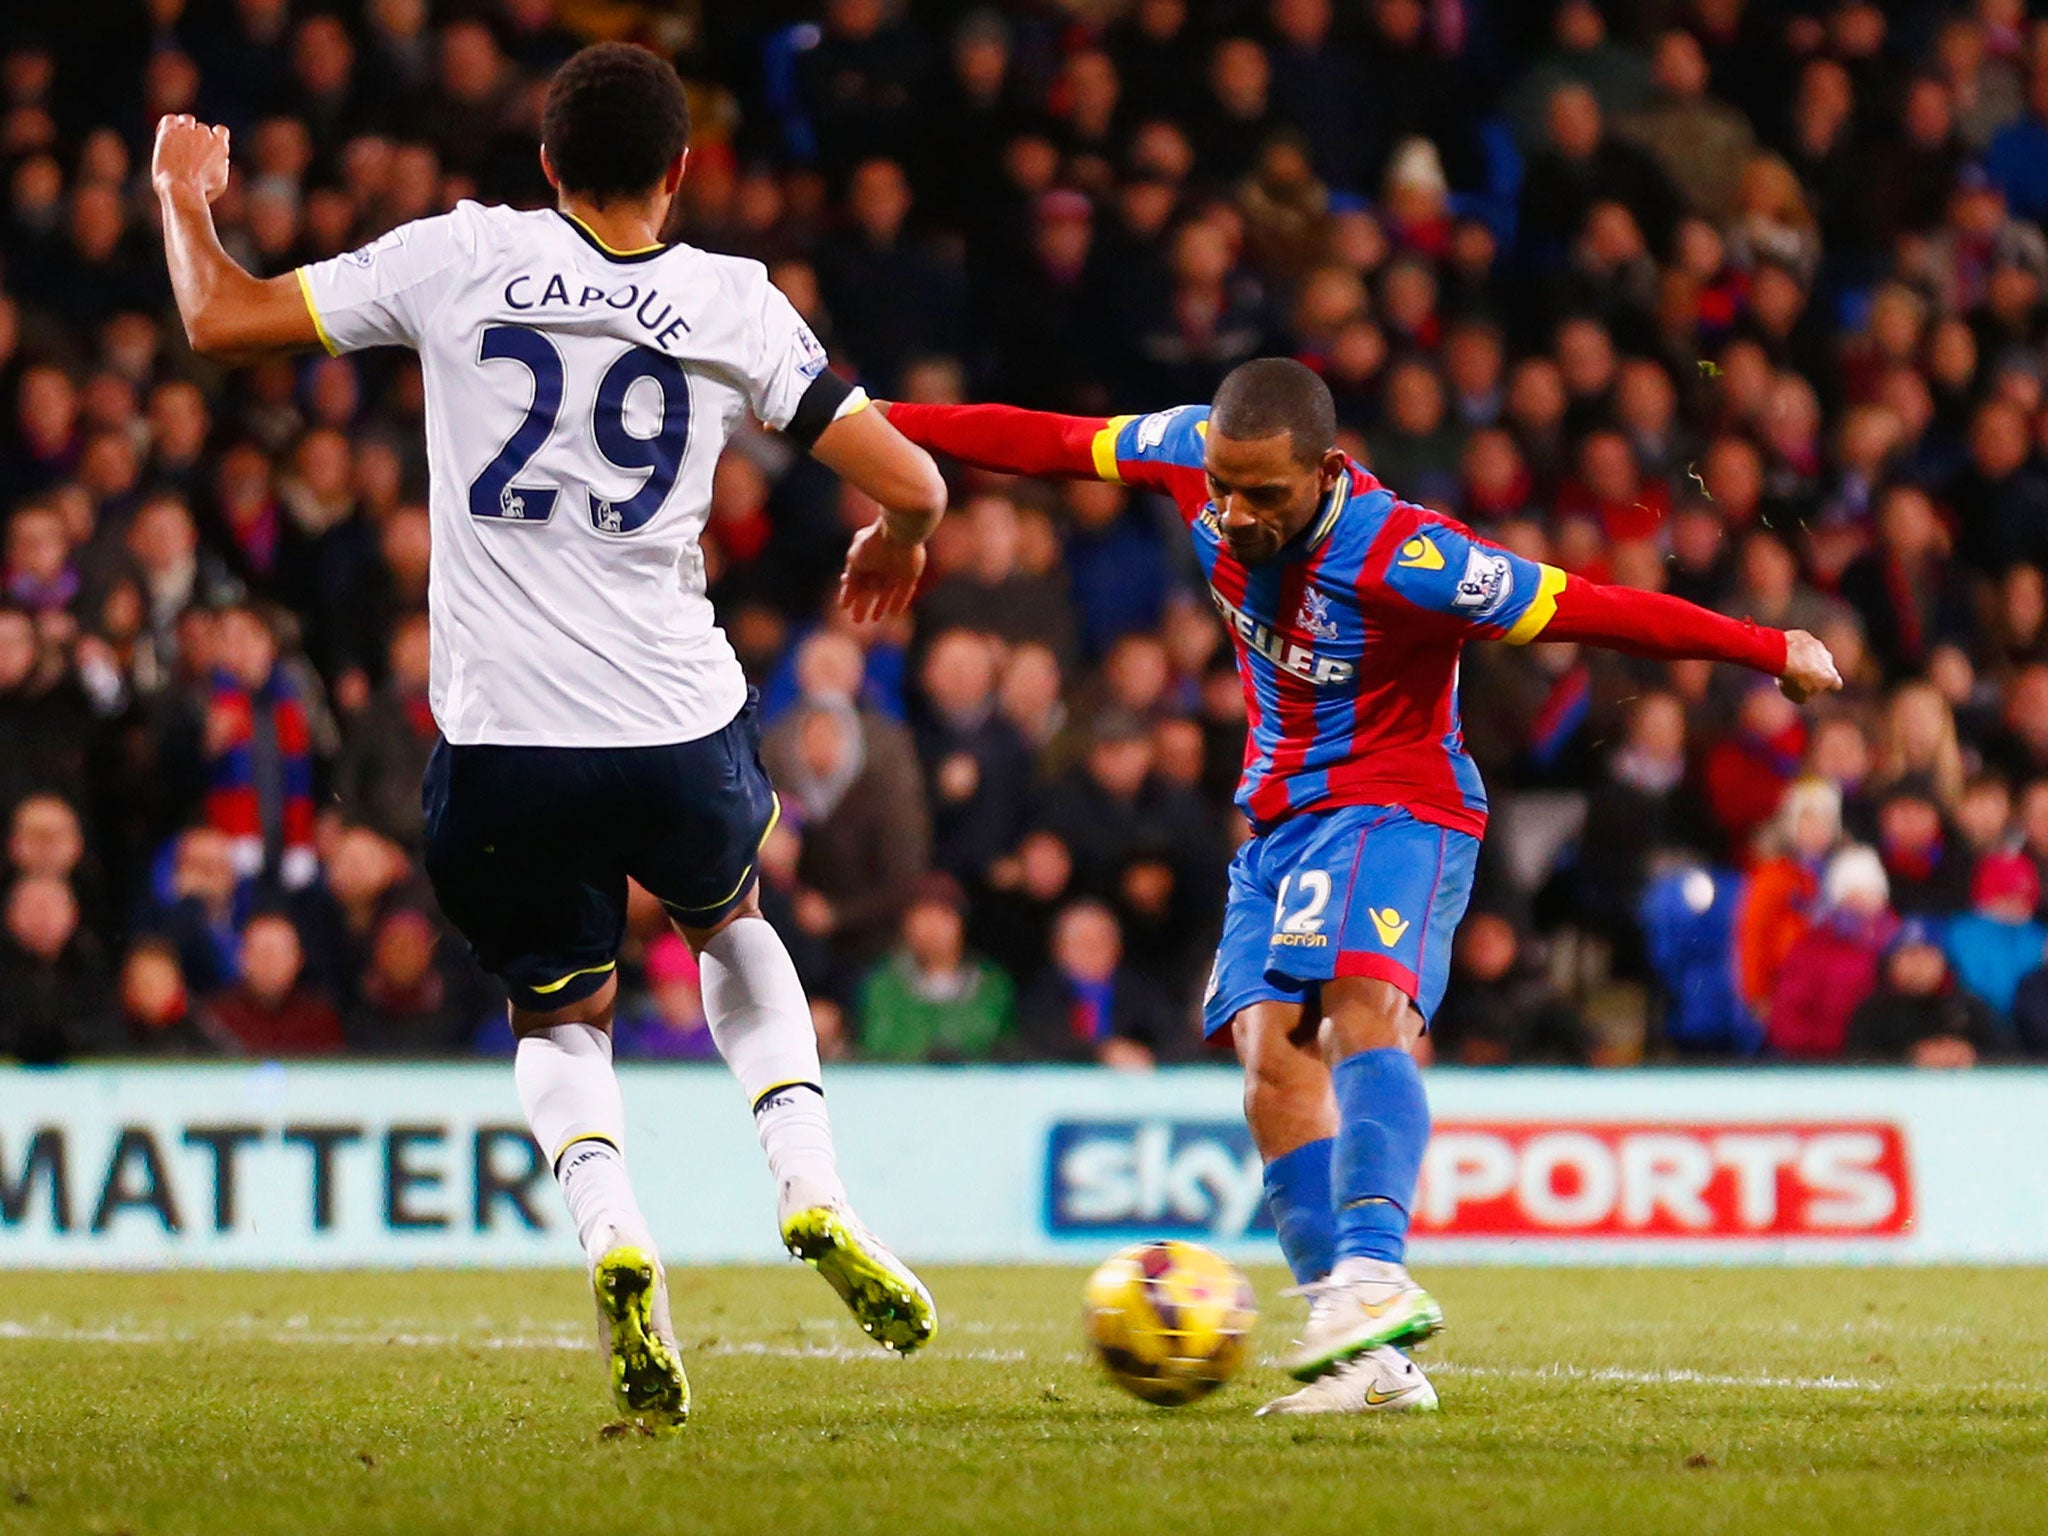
x: 614, y: 122
x: 1271, y: 395
x: 1270, y: 455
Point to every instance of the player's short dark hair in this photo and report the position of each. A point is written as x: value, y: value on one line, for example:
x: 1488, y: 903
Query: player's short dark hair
x: 1271, y: 395
x: 615, y: 120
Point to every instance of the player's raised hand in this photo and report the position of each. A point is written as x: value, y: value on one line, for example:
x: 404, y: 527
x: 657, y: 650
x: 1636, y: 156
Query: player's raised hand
x: 1809, y: 669
x: 881, y: 574
x: 189, y: 153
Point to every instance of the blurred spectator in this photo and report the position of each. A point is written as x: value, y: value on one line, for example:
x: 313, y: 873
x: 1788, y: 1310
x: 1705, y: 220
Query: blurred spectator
x: 1013, y: 921
x: 1009, y: 587
x: 46, y: 838
x: 156, y: 1008
x: 384, y: 754
x: 2020, y: 747
x: 195, y: 907
x: 977, y: 766
x: 1928, y: 866
x: 1779, y: 902
x: 852, y: 782
x: 1089, y: 1006
x: 1748, y: 769
x: 259, y: 764
x: 1112, y: 803
x: 670, y: 1025
x: 409, y: 1001
x: 1702, y: 144
x: 2019, y: 626
x: 1919, y: 746
x: 1917, y: 1015
x: 2030, y: 1013
x: 1998, y: 941
x: 1580, y: 164
x: 861, y: 85
x: 53, y: 977
x: 931, y: 1000
x: 1642, y: 808
x: 46, y: 721
x: 1500, y: 1006
x: 1909, y: 595
x: 2018, y: 155
x: 2001, y: 496
x: 892, y: 300
x: 268, y: 1012
x: 1834, y: 965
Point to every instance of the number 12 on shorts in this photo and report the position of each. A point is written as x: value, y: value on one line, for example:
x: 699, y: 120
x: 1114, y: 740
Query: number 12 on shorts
x: 1311, y: 888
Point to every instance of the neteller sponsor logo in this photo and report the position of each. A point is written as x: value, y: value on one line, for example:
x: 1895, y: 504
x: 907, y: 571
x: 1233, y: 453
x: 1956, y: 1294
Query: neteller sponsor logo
x: 1804, y: 1179
x: 1287, y: 654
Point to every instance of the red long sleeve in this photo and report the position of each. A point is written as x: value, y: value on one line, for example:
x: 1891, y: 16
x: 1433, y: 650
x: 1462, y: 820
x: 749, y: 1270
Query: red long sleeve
x: 1661, y: 627
x: 1002, y: 437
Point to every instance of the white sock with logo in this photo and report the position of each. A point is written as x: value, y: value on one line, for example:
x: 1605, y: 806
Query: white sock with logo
x: 761, y: 1022
x: 571, y: 1098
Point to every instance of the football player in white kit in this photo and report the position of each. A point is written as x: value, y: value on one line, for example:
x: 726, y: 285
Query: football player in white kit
x: 581, y: 381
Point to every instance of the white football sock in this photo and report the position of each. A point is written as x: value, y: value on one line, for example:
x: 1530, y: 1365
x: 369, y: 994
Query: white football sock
x: 571, y: 1098
x: 761, y: 1022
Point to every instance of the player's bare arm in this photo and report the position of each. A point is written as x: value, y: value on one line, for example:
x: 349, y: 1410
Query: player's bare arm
x: 887, y: 558
x: 228, y: 314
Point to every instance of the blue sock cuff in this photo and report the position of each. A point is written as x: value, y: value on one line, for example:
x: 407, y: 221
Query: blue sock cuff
x: 1298, y: 1195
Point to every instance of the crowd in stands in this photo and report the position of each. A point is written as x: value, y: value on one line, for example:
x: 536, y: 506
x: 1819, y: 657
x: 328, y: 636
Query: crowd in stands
x: 1741, y: 300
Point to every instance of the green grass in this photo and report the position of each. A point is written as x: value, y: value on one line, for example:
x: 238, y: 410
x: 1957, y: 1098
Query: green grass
x: 1609, y: 1401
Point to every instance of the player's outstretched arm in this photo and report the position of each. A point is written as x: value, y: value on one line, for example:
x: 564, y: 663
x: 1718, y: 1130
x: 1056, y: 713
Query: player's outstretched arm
x: 1662, y: 627
x: 1442, y: 567
x: 228, y: 314
x: 1006, y: 439
x: 886, y: 560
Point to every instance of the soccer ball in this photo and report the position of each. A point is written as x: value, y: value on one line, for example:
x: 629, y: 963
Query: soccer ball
x: 1171, y: 1321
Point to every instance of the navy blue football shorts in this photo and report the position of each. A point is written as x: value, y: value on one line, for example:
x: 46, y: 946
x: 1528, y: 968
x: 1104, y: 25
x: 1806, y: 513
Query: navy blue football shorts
x: 529, y: 848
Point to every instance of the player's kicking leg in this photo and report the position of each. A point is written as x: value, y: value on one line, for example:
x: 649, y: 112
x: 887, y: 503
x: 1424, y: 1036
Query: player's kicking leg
x: 761, y: 1022
x: 571, y: 1098
x: 1292, y: 1113
x: 1369, y: 917
x: 1368, y: 1300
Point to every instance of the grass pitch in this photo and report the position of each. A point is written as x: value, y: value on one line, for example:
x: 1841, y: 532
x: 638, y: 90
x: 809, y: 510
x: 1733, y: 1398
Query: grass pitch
x: 1783, y: 1401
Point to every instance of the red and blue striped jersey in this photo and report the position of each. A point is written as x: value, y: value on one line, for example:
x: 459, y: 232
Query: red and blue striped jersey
x: 1348, y: 641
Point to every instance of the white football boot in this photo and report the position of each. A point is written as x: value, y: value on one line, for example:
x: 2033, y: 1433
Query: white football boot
x: 1361, y: 1305
x: 887, y: 1300
x: 639, y: 1341
x: 1381, y: 1380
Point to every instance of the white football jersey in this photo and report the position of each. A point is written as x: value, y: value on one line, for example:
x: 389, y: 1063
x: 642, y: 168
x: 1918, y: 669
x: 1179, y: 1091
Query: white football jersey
x: 577, y: 401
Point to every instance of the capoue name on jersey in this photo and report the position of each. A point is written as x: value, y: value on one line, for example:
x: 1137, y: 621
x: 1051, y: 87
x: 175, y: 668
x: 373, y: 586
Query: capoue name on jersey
x: 555, y: 292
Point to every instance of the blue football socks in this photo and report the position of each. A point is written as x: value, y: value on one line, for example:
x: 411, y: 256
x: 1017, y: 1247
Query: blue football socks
x: 1298, y: 1194
x: 1382, y: 1129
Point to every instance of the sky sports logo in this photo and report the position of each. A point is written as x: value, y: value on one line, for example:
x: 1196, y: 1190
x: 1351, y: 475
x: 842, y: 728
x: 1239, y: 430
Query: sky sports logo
x: 1520, y: 1179
x: 1158, y: 1178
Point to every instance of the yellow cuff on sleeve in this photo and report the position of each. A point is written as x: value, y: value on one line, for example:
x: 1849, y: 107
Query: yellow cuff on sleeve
x: 1105, y: 448
x: 1541, y: 610
x: 319, y: 325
